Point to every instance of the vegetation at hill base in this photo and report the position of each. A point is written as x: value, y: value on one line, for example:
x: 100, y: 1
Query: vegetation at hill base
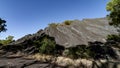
x: 114, y: 37
x: 7, y: 41
x: 95, y: 50
x: 47, y: 45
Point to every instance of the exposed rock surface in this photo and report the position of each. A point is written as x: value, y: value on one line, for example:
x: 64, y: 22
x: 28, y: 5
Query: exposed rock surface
x: 81, y: 32
x: 24, y: 63
x: 23, y: 44
x: 77, y: 33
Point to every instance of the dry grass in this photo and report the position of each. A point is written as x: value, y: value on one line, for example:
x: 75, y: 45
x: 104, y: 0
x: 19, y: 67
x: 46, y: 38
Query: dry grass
x: 41, y: 57
x: 64, y: 61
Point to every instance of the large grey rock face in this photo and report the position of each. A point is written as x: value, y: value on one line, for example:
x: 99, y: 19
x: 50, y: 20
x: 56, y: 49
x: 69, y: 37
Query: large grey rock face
x: 77, y: 33
x: 81, y: 32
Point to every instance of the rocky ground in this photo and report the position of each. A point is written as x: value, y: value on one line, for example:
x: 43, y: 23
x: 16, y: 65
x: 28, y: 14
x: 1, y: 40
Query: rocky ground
x: 29, y: 63
x: 18, y: 62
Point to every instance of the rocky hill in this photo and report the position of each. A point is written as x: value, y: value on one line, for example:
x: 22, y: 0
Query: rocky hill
x: 68, y: 43
x: 81, y: 32
x: 77, y: 33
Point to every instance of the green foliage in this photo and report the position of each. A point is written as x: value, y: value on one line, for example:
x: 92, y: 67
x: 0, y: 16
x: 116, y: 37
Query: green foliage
x: 114, y: 17
x: 2, y: 25
x: 110, y: 6
x: 46, y: 45
x: 80, y: 51
x: 72, y: 53
x: 113, y: 37
x: 96, y: 50
x: 53, y: 24
x: 67, y: 22
x: 7, y: 41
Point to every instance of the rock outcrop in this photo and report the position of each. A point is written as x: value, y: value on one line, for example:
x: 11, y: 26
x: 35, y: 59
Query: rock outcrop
x: 77, y: 33
x: 81, y: 32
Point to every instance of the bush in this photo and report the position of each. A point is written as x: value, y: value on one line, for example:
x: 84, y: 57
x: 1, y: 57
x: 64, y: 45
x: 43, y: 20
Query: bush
x: 79, y: 51
x: 7, y: 41
x: 82, y: 51
x: 53, y: 25
x: 94, y: 51
x: 114, y: 37
x: 47, y: 46
x: 72, y: 53
x: 67, y: 22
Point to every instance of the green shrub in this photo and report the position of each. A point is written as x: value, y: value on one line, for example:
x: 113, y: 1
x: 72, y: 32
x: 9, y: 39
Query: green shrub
x: 80, y: 51
x: 67, y: 22
x: 113, y: 37
x: 47, y: 46
x: 94, y: 52
x: 115, y: 41
x: 7, y: 41
x: 53, y: 24
x: 72, y: 53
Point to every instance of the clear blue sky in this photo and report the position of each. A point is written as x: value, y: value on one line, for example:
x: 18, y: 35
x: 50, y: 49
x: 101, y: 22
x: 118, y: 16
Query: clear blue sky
x: 28, y: 16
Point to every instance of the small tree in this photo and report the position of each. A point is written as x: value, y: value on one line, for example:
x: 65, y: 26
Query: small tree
x: 114, y: 17
x: 2, y: 25
x: 47, y: 46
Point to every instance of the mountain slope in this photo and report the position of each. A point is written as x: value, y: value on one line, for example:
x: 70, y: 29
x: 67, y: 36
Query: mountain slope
x: 77, y: 33
x: 81, y: 32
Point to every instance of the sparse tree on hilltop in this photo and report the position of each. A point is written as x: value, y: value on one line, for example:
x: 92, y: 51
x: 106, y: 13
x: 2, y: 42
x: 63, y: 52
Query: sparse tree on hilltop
x: 2, y: 25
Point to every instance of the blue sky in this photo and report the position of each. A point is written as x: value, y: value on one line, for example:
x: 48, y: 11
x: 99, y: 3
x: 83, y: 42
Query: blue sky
x: 28, y: 16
